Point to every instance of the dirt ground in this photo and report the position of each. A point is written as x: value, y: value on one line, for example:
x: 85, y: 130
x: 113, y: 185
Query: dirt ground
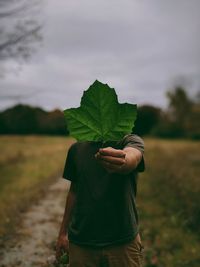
x: 34, y: 242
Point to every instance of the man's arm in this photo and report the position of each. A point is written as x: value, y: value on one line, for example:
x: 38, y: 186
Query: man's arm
x: 62, y: 242
x: 119, y: 161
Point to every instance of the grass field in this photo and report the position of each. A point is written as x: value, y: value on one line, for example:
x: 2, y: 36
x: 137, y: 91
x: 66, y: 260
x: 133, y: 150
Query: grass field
x: 27, y: 165
x: 168, y: 202
x: 168, y: 192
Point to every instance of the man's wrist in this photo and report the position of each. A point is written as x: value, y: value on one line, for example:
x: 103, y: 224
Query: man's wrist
x: 63, y: 231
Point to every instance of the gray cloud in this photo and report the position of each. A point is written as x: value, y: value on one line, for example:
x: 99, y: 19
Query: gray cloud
x: 137, y: 47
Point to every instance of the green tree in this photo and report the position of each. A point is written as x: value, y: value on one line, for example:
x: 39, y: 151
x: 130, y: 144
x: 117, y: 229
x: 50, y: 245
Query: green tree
x: 147, y: 119
x: 179, y: 109
x: 182, y: 115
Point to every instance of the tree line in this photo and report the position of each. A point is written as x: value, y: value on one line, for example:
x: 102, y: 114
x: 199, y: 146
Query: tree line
x: 179, y: 120
x: 24, y: 119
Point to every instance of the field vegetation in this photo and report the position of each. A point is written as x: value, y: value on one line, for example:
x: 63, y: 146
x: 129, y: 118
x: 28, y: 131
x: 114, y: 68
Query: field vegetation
x: 28, y: 164
x: 168, y: 192
x: 168, y: 200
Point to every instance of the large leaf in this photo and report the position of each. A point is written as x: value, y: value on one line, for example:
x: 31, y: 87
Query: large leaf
x: 100, y: 117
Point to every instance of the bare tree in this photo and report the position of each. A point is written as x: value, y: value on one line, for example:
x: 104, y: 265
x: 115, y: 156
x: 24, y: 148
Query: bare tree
x: 20, y: 30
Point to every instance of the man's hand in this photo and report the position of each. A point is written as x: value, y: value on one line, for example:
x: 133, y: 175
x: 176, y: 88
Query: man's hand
x: 111, y: 159
x: 62, y: 246
x: 117, y: 160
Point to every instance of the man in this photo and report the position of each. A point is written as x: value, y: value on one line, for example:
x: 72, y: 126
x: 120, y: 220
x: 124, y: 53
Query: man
x: 100, y: 222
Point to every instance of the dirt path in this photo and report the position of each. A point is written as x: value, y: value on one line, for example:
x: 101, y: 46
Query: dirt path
x: 35, y: 240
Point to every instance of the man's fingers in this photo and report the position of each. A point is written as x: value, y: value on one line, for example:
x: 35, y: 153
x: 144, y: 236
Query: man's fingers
x: 58, y: 254
x: 113, y: 160
x: 111, y: 156
x: 109, y: 151
x: 61, y: 247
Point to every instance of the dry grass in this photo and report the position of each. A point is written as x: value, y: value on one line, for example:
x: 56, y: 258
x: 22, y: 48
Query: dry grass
x: 168, y: 192
x: 28, y: 164
x: 168, y: 199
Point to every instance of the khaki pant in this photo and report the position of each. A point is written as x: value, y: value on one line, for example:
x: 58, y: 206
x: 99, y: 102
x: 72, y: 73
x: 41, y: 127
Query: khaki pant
x: 126, y: 255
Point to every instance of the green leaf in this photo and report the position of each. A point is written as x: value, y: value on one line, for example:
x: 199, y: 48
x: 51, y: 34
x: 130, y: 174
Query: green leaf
x: 100, y: 117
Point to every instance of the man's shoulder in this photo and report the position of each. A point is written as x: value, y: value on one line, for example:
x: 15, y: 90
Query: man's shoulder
x: 72, y: 147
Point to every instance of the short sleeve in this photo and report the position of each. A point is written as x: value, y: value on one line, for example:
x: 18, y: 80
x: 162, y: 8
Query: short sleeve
x: 69, y: 171
x: 133, y: 140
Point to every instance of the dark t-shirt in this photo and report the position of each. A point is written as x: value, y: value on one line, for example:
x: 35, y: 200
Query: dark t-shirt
x: 105, y: 212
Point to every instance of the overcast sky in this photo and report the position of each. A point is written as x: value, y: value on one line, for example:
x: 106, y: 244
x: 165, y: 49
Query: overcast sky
x: 139, y: 47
